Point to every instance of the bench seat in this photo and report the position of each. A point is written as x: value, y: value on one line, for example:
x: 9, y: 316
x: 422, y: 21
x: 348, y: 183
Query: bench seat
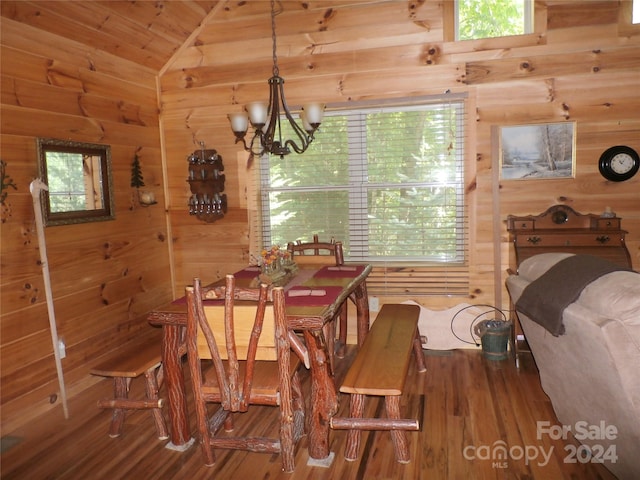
x: 380, y: 369
x: 141, y: 357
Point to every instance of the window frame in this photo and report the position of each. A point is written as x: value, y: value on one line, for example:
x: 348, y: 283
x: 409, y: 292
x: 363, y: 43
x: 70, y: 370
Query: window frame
x: 459, y: 103
x: 529, y: 22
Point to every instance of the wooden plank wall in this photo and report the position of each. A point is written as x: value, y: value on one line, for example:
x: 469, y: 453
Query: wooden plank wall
x: 105, y: 275
x: 582, y: 64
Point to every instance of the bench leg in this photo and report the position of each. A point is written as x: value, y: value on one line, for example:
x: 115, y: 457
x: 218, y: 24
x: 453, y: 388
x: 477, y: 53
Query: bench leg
x: 120, y: 391
x: 399, y: 437
x: 152, y: 394
x: 356, y: 410
x: 417, y: 350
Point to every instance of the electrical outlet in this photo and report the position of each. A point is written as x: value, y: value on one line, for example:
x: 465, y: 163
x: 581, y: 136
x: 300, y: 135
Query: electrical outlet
x: 374, y: 304
x: 62, y: 348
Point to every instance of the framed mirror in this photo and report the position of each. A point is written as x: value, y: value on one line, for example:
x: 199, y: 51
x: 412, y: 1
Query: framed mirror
x: 79, y: 179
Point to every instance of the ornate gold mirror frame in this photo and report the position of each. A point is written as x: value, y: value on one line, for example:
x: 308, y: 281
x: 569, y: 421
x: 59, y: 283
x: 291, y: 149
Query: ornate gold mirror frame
x: 79, y: 180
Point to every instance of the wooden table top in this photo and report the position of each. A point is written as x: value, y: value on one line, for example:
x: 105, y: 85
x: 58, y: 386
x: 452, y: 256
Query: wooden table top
x: 300, y: 314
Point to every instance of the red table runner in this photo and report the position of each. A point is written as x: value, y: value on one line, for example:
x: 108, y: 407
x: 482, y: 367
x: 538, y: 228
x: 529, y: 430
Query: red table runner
x: 297, y: 299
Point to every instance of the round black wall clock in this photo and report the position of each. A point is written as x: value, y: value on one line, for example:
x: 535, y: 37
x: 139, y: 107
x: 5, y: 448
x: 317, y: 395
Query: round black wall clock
x: 619, y: 163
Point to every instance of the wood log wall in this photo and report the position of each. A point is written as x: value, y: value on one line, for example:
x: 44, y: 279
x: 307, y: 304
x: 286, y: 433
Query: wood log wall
x: 582, y: 64
x: 105, y: 276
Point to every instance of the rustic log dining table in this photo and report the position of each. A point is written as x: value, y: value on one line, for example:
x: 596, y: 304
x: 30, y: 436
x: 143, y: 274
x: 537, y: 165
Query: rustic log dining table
x: 310, y: 315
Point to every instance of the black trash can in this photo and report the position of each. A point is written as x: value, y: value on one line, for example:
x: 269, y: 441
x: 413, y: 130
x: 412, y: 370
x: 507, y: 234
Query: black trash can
x: 494, y: 335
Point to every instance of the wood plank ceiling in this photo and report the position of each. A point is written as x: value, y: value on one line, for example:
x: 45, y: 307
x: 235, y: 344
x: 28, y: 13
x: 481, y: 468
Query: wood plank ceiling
x: 152, y: 33
x: 147, y: 33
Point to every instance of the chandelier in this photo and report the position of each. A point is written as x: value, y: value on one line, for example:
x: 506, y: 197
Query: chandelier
x: 265, y: 119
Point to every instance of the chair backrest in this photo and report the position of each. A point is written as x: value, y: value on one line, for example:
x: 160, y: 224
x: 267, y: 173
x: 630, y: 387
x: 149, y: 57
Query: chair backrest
x: 317, y: 252
x: 250, y: 332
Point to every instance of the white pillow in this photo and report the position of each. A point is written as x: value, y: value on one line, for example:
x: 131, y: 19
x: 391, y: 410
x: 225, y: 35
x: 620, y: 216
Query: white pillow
x: 533, y: 267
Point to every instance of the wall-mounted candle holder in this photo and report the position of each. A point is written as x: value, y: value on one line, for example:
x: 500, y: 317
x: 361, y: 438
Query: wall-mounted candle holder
x: 207, y: 202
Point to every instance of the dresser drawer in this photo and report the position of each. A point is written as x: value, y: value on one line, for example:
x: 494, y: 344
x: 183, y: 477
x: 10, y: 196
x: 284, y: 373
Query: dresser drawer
x: 523, y: 225
x: 614, y: 239
x: 607, y: 224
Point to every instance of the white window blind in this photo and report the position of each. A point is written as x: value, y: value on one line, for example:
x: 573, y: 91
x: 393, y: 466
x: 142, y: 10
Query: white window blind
x: 386, y: 181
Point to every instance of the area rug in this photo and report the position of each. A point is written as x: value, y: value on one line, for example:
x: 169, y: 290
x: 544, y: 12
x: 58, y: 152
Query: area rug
x: 452, y: 328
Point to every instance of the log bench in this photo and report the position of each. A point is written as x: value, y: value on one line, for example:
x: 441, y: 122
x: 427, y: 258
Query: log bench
x: 136, y: 358
x: 380, y: 369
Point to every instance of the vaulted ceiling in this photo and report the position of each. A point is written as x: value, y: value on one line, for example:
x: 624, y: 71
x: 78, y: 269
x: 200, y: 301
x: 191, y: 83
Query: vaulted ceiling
x: 147, y: 32
x: 153, y: 32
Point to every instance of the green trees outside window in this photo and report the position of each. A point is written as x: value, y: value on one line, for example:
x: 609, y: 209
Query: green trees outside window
x: 493, y: 18
x: 387, y: 182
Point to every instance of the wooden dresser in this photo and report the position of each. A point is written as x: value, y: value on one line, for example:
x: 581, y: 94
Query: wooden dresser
x: 562, y: 229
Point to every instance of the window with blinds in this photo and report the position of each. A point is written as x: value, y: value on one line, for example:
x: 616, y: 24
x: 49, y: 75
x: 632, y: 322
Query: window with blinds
x: 386, y: 181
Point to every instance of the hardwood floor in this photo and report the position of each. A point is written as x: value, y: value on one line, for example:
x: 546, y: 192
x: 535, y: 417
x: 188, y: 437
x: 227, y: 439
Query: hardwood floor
x: 468, y: 405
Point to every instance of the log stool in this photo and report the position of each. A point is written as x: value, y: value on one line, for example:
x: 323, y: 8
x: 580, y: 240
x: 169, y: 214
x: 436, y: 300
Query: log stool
x: 139, y: 358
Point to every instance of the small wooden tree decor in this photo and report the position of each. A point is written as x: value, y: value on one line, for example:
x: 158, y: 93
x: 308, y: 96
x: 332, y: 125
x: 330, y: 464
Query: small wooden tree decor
x: 137, y: 180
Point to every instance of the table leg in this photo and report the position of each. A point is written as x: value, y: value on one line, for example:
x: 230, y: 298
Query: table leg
x: 324, y: 398
x: 174, y: 378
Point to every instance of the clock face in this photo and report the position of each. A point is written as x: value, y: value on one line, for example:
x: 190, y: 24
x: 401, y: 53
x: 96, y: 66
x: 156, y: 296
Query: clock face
x: 619, y: 163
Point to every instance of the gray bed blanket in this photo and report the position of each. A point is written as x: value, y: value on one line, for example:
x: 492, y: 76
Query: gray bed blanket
x: 545, y: 299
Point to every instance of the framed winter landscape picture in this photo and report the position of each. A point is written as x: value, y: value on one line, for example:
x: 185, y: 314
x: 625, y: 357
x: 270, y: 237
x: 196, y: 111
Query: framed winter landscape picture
x: 542, y: 151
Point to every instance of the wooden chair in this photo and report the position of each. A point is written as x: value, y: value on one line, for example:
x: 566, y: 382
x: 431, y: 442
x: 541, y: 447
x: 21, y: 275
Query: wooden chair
x: 324, y: 253
x: 249, y: 347
x: 316, y: 252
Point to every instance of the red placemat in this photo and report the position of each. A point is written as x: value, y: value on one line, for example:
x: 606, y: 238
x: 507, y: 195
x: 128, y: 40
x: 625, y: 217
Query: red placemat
x: 313, y: 296
x: 343, y: 271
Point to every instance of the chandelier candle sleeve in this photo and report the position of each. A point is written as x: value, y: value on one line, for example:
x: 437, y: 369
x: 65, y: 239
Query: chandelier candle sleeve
x: 313, y: 114
x: 257, y: 114
x: 239, y: 123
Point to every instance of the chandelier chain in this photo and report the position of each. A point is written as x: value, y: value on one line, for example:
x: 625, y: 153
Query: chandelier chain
x: 276, y: 70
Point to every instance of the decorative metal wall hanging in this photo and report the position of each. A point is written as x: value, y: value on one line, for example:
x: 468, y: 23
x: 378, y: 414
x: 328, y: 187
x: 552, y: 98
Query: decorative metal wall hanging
x: 207, y: 202
x: 5, y: 182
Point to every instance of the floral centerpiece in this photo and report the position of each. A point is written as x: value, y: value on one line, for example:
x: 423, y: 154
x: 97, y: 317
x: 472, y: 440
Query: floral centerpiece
x: 271, y: 259
x: 276, y: 265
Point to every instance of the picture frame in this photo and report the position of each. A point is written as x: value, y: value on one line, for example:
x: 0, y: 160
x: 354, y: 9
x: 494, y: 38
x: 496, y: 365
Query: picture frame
x: 538, y: 151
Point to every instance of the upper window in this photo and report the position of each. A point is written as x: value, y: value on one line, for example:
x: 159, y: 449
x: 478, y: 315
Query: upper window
x: 388, y: 182
x: 477, y: 19
x: 635, y: 16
